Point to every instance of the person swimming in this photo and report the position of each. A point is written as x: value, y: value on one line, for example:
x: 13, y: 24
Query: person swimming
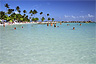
x: 80, y: 24
x: 47, y: 24
x: 73, y: 28
x: 67, y: 24
x: 55, y: 25
x: 15, y: 28
x: 3, y: 25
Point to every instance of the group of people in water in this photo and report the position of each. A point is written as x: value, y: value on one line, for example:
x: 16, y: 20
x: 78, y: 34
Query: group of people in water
x: 60, y: 24
x: 51, y: 24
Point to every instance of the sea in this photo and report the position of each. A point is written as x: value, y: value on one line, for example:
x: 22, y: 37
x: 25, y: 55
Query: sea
x: 42, y: 44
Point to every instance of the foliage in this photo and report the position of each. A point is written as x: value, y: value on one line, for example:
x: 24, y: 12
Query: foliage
x: 10, y: 11
x: 42, y: 18
x: 41, y: 13
x: 47, y: 14
x: 34, y: 12
x: 2, y: 15
x: 10, y: 21
x: 17, y: 8
x: 52, y: 19
x: 30, y: 11
x: 35, y: 19
x: 49, y: 19
x: 24, y: 11
x: 10, y: 16
x: 6, y: 5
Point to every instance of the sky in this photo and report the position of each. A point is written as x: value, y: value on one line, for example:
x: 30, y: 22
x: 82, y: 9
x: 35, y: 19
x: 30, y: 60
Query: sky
x: 60, y: 10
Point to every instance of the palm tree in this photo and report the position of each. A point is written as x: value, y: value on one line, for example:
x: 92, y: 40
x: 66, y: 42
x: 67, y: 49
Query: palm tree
x: 10, y: 11
x: 24, y: 11
x: 34, y: 12
x: 49, y: 19
x: 31, y: 14
x: 2, y: 15
x: 41, y: 13
x: 47, y: 14
x: 42, y: 19
x: 52, y: 19
x: 19, y: 11
x: 6, y: 5
x: 36, y: 19
x: 17, y: 8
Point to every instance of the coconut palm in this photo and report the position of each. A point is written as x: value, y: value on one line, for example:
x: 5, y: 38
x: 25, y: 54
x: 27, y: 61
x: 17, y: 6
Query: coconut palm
x: 42, y: 19
x: 36, y: 19
x: 47, y: 14
x: 2, y: 15
x: 31, y: 14
x: 52, y: 19
x: 10, y: 11
x: 19, y: 11
x: 41, y: 13
x: 18, y: 8
x: 34, y: 12
x: 24, y: 11
x: 6, y: 5
x: 49, y: 19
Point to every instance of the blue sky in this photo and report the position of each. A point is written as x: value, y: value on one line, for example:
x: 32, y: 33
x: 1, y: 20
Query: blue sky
x: 59, y: 10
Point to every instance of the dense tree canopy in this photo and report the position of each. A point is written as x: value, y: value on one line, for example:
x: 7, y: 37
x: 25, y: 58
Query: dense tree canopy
x: 11, y: 16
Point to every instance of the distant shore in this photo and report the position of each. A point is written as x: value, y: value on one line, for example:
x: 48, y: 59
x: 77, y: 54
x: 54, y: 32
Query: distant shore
x: 17, y: 23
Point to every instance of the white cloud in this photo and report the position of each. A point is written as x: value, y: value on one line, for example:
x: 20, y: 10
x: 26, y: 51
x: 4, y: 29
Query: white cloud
x: 66, y: 16
x: 89, y: 15
x: 81, y: 16
x: 16, y: 12
x: 85, y: 16
x: 73, y: 16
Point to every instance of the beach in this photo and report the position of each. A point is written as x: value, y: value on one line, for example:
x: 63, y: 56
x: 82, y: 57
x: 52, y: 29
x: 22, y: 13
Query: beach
x: 47, y: 32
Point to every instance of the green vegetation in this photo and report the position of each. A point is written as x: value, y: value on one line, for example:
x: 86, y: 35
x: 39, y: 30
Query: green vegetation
x: 49, y: 19
x: 52, y: 19
x: 42, y: 19
x: 10, y: 15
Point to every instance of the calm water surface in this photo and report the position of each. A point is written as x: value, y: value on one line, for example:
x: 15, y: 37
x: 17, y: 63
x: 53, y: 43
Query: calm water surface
x: 39, y: 44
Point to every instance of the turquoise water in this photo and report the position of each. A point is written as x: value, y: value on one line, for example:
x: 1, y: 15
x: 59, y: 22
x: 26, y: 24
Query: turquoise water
x: 39, y: 44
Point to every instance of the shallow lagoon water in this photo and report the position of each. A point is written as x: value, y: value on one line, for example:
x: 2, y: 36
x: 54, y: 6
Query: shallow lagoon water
x: 42, y: 44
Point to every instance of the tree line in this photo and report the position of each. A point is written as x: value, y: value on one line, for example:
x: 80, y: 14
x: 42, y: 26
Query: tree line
x: 11, y: 16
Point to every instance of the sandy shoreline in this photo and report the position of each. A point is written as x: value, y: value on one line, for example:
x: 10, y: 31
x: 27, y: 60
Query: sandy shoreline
x: 16, y: 23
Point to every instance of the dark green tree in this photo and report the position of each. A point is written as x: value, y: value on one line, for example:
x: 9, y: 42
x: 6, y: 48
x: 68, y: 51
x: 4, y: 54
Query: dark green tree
x: 18, y: 8
x: 7, y: 6
x: 52, y: 19
x: 47, y: 14
x: 49, y: 19
x: 24, y: 11
x: 34, y: 12
x: 42, y: 19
